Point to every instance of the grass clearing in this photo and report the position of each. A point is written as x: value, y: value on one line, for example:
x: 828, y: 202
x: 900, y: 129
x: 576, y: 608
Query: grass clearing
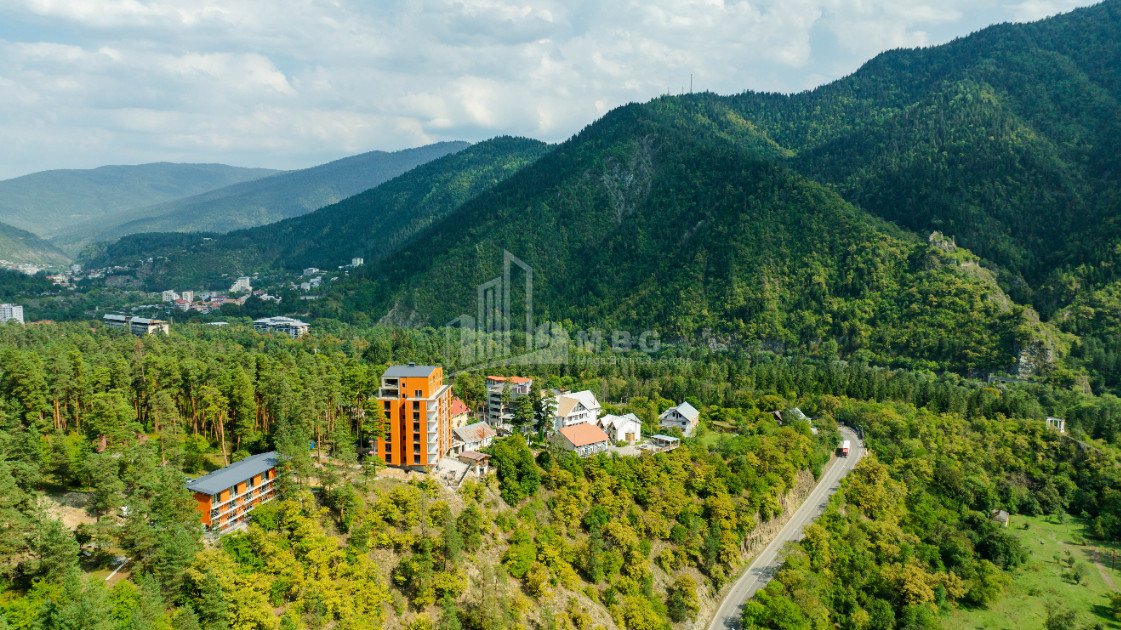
x: 1040, y: 581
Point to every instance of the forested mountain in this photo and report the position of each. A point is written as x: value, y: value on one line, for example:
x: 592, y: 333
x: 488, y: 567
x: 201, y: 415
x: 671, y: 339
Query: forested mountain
x: 20, y: 246
x: 729, y: 213
x: 1009, y: 140
x: 642, y: 222
x: 53, y: 202
x: 248, y: 204
x: 372, y: 224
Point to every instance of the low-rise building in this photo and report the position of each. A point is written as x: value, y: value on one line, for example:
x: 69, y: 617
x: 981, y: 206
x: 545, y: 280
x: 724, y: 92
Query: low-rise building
x: 226, y: 496
x: 473, y: 437
x: 625, y: 428
x: 145, y: 326
x: 11, y: 311
x: 136, y: 325
x: 683, y: 417
x: 583, y: 439
x: 286, y: 325
x: 576, y: 408
x: 460, y: 413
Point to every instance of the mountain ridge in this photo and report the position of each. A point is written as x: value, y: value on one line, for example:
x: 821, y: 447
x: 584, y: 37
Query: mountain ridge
x: 262, y: 201
x: 48, y: 203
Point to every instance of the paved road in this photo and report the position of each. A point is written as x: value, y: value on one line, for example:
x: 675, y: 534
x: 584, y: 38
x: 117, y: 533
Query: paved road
x: 768, y: 562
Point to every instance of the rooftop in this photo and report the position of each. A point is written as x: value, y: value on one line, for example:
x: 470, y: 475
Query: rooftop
x: 235, y: 473
x: 457, y: 407
x: 517, y: 380
x: 408, y: 371
x: 475, y: 432
x: 685, y: 409
x: 584, y: 434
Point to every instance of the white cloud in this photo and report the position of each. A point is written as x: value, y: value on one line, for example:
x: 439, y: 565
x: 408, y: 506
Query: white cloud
x: 289, y: 83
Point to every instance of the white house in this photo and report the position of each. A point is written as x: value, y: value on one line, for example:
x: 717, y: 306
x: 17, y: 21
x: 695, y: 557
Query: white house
x: 683, y: 417
x: 626, y: 428
x: 583, y: 439
x: 578, y: 408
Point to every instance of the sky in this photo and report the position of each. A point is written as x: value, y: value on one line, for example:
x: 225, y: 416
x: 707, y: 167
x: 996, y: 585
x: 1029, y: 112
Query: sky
x: 294, y: 83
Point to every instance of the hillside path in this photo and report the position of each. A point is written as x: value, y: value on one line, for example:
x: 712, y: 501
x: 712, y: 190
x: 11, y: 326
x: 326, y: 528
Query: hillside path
x: 767, y: 563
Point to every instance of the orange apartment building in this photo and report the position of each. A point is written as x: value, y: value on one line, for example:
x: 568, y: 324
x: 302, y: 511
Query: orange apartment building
x: 416, y: 403
x: 226, y: 496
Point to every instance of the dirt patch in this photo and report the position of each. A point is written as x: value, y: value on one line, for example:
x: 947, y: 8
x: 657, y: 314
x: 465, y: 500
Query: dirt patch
x: 68, y: 507
x: 1096, y: 556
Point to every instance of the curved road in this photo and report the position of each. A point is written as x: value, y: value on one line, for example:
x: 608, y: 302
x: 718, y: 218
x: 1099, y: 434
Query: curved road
x: 760, y: 571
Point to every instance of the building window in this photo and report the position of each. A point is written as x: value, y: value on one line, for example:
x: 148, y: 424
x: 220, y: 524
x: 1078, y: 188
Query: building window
x: 388, y: 459
x: 417, y: 394
x: 416, y: 416
x: 386, y: 405
x: 416, y: 459
x: 416, y: 405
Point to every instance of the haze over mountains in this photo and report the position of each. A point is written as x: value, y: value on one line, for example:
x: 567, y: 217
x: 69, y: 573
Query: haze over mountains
x: 51, y: 203
x: 73, y: 208
x: 261, y: 201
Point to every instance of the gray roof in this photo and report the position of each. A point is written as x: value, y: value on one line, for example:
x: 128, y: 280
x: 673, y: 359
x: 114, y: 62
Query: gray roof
x: 235, y: 473
x: 685, y: 409
x: 408, y: 371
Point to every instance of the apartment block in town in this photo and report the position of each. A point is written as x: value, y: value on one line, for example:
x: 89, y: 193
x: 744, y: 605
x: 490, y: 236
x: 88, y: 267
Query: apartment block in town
x: 11, y: 311
x: 226, y: 496
x: 417, y: 406
x: 498, y: 414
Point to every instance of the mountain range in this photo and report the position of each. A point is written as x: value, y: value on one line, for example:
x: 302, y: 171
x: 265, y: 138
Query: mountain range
x: 966, y: 187
x: 51, y: 203
x: 260, y: 201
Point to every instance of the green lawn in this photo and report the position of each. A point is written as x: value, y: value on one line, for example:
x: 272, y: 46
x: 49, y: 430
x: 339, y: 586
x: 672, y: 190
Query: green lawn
x: 1023, y: 606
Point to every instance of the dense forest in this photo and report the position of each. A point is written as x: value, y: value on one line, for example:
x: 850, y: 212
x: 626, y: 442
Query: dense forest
x: 547, y: 541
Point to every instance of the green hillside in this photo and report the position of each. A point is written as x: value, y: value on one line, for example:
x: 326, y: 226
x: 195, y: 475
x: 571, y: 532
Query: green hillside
x: 263, y: 201
x: 1008, y: 139
x: 759, y: 217
x: 53, y: 202
x: 372, y: 224
x: 640, y: 222
x: 20, y: 246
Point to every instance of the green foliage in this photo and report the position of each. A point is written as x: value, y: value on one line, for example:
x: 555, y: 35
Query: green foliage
x: 518, y: 474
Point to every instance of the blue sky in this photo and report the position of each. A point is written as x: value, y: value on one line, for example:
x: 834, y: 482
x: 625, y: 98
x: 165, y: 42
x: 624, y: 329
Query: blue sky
x: 290, y: 84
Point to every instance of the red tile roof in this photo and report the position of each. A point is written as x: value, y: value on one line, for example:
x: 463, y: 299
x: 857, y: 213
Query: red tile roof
x: 458, y: 407
x: 584, y: 434
x: 517, y: 380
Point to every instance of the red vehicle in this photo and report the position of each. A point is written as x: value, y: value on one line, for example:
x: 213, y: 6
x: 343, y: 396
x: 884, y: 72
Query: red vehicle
x: 845, y: 448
